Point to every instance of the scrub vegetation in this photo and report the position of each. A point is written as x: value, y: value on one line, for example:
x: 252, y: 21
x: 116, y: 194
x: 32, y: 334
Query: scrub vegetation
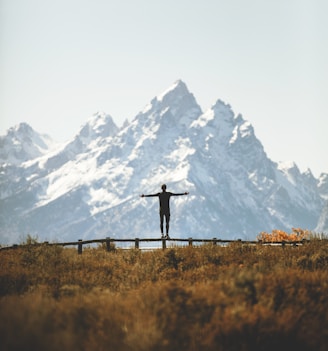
x: 237, y: 297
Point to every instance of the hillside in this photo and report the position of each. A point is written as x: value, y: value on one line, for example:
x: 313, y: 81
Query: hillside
x: 238, y: 297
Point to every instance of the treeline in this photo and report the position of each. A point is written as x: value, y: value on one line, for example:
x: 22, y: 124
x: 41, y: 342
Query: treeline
x: 238, y: 297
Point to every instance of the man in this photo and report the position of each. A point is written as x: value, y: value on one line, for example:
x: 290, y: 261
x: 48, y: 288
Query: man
x: 164, y: 207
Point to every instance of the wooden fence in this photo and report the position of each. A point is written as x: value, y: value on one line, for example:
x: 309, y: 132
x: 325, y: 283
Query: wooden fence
x: 109, y: 243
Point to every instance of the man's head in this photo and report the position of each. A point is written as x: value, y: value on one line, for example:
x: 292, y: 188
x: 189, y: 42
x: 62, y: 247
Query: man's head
x: 164, y: 187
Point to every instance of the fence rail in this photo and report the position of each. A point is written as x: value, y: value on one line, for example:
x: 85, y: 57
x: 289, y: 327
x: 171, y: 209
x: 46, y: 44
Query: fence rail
x: 136, y: 241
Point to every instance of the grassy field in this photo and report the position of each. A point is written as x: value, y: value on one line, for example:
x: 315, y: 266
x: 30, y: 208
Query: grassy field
x: 238, y: 297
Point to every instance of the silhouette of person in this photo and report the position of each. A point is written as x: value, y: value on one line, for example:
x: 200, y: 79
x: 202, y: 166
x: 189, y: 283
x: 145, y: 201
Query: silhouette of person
x: 164, y: 207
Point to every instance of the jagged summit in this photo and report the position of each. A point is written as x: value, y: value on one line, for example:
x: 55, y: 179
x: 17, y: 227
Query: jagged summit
x: 177, y: 88
x: 100, y: 125
x: 219, y: 114
x: 24, y: 133
x: 20, y: 129
x: 22, y: 143
x: 176, y: 105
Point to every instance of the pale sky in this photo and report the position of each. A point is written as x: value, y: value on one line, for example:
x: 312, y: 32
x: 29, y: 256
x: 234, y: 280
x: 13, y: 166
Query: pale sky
x: 61, y: 61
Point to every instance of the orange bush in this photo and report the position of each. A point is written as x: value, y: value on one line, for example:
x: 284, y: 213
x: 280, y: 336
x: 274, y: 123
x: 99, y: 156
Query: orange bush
x: 277, y: 235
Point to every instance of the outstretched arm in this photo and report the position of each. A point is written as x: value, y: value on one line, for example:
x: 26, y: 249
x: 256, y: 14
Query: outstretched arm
x: 151, y: 195
x: 179, y: 194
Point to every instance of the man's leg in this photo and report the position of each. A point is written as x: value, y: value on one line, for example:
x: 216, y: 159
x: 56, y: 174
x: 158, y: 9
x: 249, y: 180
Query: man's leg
x: 161, y: 215
x: 167, y: 220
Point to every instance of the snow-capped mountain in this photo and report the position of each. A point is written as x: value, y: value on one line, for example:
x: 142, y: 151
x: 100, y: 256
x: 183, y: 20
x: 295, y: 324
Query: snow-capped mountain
x: 90, y: 186
x: 22, y: 143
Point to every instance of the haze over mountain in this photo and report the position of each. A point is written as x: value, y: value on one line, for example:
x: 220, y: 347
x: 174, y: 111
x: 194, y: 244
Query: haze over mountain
x: 89, y: 187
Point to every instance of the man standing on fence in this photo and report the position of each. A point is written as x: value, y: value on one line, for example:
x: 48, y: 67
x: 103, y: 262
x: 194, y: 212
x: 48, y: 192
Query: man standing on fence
x: 164, y: 208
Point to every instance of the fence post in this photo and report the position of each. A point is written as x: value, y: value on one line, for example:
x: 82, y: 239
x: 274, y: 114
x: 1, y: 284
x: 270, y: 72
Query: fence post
x: 137, y: 243
x: 108, y: 244
x: 79, y: 247
x: 190, y: 241
x: 214, y: 241
x: 163, y: 244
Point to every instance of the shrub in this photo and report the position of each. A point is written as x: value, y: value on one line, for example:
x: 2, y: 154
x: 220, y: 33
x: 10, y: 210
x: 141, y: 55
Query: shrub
x: 276, y: 235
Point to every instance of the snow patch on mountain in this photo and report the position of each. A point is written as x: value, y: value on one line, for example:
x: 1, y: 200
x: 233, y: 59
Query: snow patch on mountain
x: 322, y: 226
x: 323, y: 185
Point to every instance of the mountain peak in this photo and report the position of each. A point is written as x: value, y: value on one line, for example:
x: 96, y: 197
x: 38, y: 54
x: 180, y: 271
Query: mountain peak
x: 219, y: 115
x: 21, y: 128
x: 175, y: 105
x: 99, y: 125
x: 177, y: 88
x: 23, y: 143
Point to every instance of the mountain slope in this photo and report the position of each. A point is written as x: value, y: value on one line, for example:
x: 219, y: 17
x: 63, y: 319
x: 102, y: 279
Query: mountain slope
x: 90, y: 186
x: 322, y: 226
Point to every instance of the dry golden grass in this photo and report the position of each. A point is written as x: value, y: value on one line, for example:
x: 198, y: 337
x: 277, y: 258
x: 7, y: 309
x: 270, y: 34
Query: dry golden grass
x: 238, y: 297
